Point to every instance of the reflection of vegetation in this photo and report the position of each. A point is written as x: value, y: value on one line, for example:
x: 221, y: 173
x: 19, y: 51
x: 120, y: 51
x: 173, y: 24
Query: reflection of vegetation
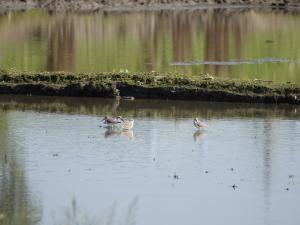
x: 61, y: 49
x: 22, y: 36
x: 74, y: 215
x: 15, y: 201
x: 146, y: 41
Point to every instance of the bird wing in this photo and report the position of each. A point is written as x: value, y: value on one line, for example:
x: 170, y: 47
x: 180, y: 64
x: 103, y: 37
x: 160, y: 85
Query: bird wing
x: 201, y: 124
x: 110, y: 120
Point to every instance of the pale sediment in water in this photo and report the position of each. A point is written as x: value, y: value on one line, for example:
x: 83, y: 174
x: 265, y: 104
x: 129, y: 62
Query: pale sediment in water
x: 92, y: 5
x: 147, y: 86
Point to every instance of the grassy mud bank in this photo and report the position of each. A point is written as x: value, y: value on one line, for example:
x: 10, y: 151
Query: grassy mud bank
x: 147, y: 86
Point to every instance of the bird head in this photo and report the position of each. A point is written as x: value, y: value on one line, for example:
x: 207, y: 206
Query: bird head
x: 105, y: 118
x: 119, y: 118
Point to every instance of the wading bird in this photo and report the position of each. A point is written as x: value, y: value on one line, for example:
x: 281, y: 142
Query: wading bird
x: 198, y: 124
x: 128, y: 124
x: 112, y: 120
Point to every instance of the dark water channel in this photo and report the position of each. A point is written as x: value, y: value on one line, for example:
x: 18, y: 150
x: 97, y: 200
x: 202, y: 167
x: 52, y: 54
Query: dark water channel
x: 57, y: 166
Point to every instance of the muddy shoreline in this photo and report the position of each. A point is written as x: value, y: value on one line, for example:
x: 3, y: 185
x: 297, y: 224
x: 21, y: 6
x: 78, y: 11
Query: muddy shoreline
x: 130, y: 5
x: 147, y: 86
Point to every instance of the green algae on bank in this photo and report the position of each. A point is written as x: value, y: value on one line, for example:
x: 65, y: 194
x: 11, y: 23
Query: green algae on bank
x: 147, y: 85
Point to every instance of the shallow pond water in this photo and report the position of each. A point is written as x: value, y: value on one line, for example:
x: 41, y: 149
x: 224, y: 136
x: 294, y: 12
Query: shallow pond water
x: 57, y: 166
x: 254, y: 44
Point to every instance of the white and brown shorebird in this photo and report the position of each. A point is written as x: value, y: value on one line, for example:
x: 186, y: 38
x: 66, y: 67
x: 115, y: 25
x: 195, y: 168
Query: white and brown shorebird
x: 198, y: 124
x: 128, y: 124
x: 112, y: 120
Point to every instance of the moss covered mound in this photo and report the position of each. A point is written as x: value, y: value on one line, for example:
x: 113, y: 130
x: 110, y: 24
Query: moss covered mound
x: 147, y: 85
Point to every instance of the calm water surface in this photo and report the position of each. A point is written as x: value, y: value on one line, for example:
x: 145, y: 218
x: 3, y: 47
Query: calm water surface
x: 57, y: 166
x: 223, y: 42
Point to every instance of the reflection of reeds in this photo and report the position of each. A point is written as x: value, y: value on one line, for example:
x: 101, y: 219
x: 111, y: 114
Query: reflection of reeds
x: 146, y: 41
x: 75, y: 215
x: 61, y: 43
x: 147, y: 108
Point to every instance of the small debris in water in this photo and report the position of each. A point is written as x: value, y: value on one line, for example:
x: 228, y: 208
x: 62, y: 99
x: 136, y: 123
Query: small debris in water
x: 153, y: 159
x: 269, y: 41
x: 5, y: 159
x: 291, y: 176
x: 175, y: 176
x: 206, y: 171
x: 234, y: 187
x: 69, y: 170
x: 89, y: 169
x: 287, y: 189
x: 55, y: 155
x: 231, y: 169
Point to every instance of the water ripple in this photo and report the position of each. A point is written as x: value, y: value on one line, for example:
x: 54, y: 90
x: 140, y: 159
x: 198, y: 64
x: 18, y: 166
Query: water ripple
x: 233, y: 62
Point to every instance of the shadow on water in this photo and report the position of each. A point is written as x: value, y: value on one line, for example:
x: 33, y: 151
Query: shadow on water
x: 114, y: 215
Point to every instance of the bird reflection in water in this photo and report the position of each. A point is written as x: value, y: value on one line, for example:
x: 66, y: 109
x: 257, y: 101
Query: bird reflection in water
x: 199, y: 134
x: 111, y: 121
x: 114, y: 132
